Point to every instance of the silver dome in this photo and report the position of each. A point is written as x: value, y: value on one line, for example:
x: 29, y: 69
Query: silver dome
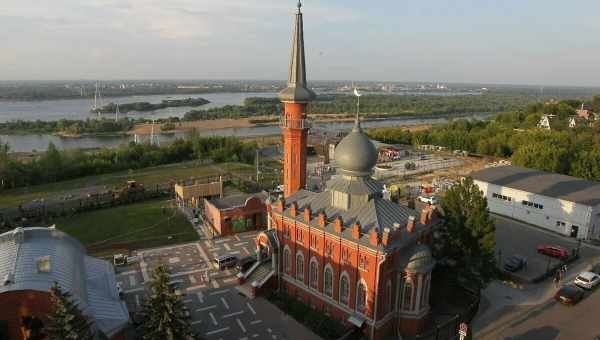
x: 421, y: 261
x: 355, y: 154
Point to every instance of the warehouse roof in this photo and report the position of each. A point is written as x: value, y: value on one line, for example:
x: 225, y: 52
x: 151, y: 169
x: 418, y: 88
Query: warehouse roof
x: 542, y: 183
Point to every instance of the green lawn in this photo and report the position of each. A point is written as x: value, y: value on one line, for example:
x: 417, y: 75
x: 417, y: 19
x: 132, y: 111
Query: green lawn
x: 146, y: 176
x: 125, y: 228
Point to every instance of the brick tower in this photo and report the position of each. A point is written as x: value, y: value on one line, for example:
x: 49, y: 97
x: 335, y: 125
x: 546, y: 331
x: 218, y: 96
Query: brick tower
x: 294, y: 125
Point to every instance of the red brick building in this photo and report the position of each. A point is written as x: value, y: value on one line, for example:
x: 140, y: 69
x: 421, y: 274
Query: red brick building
x: 31, y: 260
x: 238, y: 213
x: 346, y: 251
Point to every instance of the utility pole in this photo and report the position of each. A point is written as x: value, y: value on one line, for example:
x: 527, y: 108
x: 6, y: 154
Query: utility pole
x: 257, y: 166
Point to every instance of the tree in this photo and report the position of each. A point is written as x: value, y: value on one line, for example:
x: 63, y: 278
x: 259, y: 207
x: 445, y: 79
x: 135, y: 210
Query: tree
x: 596, y: 103
x: 4, y: 165
x: 52, y: 162
x: 66, y: 322
x: 469, y: 234
x: 164, y: 314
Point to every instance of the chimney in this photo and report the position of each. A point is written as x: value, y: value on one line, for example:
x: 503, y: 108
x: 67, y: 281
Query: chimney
x: 294, y: 209
x: 307, y: 214
x: 386, y: 237
x: 339, y: 224
x: 356, y: 230
x: 410, y: 225
x: 374, y: 237
x: 281, y: 204
x: 424, y: 216
x: 322, y: 219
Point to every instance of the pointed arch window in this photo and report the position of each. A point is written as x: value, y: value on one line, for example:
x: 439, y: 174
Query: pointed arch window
x: 361, y: 297
x: 287, y: 261
x: 328, y: 281
x: 314, y: 273
x: 300, y: 266
x: 389, y: 297
x: 344, y: 289
x: 407, y: 295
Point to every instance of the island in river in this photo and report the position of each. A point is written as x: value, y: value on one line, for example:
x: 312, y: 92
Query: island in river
x: 145, y: 106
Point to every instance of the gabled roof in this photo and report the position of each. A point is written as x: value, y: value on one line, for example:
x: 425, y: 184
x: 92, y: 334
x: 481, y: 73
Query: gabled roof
x: 543, y: 183
x: 90, y: 281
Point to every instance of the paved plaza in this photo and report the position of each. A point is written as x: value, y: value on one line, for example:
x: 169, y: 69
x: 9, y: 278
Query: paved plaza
x: 216, y: 308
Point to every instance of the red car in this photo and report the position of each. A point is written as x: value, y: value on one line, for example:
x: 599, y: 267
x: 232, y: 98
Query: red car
x: 554, y: 251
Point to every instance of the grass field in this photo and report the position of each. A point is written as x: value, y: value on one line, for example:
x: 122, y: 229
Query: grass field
x: 125, y: 228
x: 146, y: 176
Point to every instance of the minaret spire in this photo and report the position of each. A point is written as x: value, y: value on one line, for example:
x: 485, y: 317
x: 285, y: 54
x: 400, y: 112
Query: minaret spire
x: 297, y: 90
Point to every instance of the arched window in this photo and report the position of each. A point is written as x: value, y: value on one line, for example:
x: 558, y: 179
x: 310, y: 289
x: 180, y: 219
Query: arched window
x: 389, y: 298
x: 361, y: 297
x: 425, y: 291
x: 314, y: 273
x: 328, y: 281
x: 287, y: 261
x: 407, y: 295
x: 344, y: 289
x: 300, y: 266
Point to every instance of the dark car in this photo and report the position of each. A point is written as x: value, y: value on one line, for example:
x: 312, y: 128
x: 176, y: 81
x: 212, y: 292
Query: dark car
x: 515, y: 263
x: 596, y: 269
x: 554, y: 251
x: 245, y: 263
x: 569, y: 294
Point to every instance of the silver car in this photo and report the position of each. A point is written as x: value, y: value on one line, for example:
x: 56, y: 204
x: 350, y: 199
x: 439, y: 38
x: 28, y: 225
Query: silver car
x: 587, y: 280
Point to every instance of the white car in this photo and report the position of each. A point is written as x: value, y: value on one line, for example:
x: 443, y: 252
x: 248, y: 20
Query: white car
x: 587, y: 280
x: 428, y: 199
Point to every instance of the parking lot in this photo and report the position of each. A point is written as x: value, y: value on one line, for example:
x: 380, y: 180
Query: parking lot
x: 516, y: 238
x: 217, y: 310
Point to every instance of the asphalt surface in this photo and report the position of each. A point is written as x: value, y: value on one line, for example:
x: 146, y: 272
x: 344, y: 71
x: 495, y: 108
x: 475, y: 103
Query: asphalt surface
x: 216, y: 309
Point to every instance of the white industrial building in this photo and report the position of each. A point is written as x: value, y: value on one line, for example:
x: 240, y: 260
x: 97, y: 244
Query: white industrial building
x: 567, y: 205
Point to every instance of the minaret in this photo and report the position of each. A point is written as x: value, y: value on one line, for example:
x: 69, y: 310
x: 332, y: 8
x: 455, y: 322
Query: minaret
x: 294, y: 125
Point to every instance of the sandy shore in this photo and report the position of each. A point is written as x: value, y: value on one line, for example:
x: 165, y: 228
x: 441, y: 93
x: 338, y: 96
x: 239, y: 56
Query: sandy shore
x: 142, y: 129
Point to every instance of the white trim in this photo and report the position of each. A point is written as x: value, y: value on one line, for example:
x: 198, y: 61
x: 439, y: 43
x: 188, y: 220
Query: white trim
x: 299, y: 254
x: 344, y: 274
x: 328, y: 266
x: 366, y: 297
x: 310, y: 282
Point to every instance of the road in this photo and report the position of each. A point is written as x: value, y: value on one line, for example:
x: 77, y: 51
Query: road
x: 548, y: 321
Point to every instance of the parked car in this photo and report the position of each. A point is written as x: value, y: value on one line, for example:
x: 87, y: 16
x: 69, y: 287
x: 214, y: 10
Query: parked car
x: 515, y: 263
x: 428, y: 199
x: 587, y: 280
x: 245, y: 263
x: 569, y: 294
x: 596, y: 269
x: 225, y: 261
x: 552, y: 250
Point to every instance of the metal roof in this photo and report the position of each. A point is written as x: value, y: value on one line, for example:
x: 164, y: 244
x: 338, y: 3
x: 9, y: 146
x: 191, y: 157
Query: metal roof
x: 547, y: 184
x: 90, y: 281
x: 297, y: 90
x: 236, y: 200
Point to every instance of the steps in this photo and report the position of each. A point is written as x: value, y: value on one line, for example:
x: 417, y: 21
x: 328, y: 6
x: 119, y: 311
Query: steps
x: 255, y: 280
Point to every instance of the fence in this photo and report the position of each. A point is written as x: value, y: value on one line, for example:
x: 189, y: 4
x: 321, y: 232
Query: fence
x: 448, y: 330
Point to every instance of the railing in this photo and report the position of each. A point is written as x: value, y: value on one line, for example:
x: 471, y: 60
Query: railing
x: 288, y: 123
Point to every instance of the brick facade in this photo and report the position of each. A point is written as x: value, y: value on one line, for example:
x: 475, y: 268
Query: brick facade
x: 222, y: 220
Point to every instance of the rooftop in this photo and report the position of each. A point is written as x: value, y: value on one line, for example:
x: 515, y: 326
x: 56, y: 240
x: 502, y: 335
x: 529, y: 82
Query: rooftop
x: 543, y: 183
x: 34, y: 258
x: 236, y: 200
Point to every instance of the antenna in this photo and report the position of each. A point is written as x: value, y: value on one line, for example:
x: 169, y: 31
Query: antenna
x: 357, y: 94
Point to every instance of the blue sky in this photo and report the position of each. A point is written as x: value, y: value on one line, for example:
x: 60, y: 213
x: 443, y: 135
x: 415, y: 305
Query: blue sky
x: 509, y: 41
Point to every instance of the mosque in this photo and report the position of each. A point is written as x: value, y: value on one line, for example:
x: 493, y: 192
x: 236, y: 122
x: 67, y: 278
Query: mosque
x: 345, y: 251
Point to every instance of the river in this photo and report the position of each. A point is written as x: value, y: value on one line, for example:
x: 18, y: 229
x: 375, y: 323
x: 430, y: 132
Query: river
x: 79, y: 109
x: 29, y: 143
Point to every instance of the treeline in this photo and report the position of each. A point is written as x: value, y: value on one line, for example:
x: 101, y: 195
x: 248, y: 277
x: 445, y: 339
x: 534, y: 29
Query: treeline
x: 514, y: 135
x: 145, y: 106
x: 55, y: 165
x: 67, y: 126
x: 397, y: 105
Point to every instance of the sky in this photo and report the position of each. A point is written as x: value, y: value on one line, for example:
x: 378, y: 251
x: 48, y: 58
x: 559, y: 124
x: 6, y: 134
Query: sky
x: 542, y: 42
